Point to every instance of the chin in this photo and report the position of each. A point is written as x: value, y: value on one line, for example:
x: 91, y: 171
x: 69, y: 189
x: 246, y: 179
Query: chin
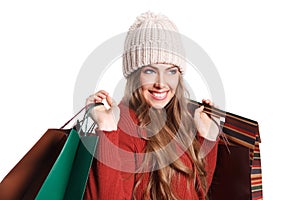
x: 158, y: 105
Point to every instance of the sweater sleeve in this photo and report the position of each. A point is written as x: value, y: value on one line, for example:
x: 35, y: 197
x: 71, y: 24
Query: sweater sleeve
x: 209, y: 150
x: 112, y: 174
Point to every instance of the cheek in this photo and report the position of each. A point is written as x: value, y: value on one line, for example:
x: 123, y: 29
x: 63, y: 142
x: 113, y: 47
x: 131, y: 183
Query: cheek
x: 144, y: 88
x: 145, y: 94
x: 146, y: 80
x: 145, y: 83
x: 173, y: 83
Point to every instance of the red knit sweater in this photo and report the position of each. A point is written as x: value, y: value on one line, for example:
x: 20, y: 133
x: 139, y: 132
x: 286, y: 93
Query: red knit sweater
x: 112, y: 175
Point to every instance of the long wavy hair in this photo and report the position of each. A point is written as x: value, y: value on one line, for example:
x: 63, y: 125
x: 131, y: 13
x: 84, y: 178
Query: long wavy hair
x: 168, y: 130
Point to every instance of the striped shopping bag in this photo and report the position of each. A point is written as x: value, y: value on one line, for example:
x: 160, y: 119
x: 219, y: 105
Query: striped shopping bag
x: 238, y: 174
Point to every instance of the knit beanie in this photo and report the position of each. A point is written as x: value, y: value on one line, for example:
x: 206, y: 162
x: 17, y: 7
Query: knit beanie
x: 152, y: 39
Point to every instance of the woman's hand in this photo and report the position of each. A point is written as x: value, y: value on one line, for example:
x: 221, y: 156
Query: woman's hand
x: 106, y: 119
x: 205, y: 125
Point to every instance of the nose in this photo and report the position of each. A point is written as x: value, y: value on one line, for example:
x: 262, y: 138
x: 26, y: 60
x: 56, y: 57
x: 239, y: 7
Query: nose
x: 160, y: 80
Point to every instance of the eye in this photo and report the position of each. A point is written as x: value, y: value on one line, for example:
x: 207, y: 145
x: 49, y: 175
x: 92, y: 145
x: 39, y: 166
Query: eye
x: 149, y: 71
x: 173, y: 71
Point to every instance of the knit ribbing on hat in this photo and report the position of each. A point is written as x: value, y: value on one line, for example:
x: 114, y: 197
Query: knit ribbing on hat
x: 152, y: 39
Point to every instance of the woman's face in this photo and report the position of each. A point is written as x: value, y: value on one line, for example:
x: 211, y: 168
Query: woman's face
x: 159, y: 83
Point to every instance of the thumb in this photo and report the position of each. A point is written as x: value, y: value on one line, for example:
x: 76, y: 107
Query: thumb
x: 114, y: 108
x: 200, y: 109
x: 197, y: 112
x: 109, y: 101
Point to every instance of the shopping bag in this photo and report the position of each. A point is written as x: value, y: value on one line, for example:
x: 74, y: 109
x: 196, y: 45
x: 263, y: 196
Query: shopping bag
x: 28, y: 175
x: 70, y: 171
x: 238, y: 174
x: 68, y: 176
x: 25, y: 180
x: 81, y: 168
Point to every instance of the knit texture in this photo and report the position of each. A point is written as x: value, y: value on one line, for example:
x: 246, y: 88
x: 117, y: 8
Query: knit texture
x: 121, y: 153
x: 152, y: 39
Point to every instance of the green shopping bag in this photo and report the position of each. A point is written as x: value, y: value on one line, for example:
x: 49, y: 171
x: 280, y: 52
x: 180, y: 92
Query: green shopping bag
x: 81, y: 168
x: 68, y: 176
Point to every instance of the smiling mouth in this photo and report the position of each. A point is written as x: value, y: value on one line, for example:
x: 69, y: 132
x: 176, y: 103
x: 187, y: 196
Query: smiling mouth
x: 158, y: 95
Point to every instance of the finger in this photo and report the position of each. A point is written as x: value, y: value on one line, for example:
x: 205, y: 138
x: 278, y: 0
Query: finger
x: 109, y: 101
x: 200, y: 109
x: 196, y: 116
x: 90, y: 99
x: 100, y: 95
x: 207, y: 101
x: 199, y: 113
x: 97, y: 99
x: 204, y: 116
x: 103, y: 92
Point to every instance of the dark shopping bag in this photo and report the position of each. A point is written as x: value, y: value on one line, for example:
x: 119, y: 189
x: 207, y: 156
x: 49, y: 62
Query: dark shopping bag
x: 238, y: 174
x: 57, y: 164
x: 28, y: 175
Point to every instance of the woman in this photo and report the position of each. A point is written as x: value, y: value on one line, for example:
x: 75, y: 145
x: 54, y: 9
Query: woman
x: 151, y: 145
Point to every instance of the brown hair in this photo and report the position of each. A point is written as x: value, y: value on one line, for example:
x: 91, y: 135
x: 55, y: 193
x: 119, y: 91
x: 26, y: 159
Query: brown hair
x: 176, y: 125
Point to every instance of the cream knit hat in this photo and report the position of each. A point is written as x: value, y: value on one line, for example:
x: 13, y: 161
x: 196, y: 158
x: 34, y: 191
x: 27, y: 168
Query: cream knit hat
x: 152, y: 39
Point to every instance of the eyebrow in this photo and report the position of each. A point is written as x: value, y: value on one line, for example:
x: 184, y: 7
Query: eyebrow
x: 171, y: 67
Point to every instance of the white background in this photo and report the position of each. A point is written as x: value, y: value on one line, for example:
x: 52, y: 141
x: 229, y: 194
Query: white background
x: 254, y: 44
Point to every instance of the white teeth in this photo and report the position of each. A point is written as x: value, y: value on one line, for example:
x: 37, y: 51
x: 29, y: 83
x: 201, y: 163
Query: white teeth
x: 159, y: 95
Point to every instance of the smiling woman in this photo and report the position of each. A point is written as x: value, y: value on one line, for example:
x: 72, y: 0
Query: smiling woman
x: 159, y: 83
x: 151, y: 145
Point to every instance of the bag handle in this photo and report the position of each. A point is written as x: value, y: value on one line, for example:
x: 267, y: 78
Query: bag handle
x: 87, y: 108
